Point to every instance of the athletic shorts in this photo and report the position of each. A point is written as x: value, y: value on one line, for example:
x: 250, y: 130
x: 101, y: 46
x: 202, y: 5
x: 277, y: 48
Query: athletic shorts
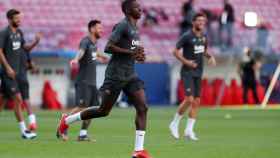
x: 114, y: 87
x: 192, y: 84
x: 86, y: 95
x: 9, y: 87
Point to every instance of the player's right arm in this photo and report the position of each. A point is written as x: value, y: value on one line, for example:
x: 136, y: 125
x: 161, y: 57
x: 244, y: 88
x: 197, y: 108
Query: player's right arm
x: 11, y: 73
x: 111, y: 47
x: 82, y: 50
x: 77, y: 58
x: 179, y: 55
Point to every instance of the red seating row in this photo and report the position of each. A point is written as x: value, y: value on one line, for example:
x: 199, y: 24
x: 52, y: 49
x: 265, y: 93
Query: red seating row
x: 72, y: 15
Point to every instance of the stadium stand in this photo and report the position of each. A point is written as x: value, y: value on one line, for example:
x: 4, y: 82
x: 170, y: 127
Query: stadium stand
x: 62, y: 21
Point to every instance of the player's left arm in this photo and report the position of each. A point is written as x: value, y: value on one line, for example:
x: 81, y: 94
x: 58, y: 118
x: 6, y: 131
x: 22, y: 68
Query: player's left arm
x: 28, y: 47
x: 210, y: 57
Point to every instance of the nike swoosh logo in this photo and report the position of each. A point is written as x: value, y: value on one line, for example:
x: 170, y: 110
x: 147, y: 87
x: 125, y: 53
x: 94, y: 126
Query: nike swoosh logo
x: 133, y: 48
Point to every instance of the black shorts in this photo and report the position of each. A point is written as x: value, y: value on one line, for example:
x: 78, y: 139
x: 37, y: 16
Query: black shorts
x: 114, y: 87
x: 192, y: 85
x: 86, y: 95
x: 9, y: 87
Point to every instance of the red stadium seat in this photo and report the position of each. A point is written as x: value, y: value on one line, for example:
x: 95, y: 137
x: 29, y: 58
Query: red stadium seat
x: 237, y: 93
x: 207, y: 94
x: 227, y: 97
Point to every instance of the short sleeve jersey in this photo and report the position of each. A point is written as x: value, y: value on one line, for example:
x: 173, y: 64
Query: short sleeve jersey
x: 87, y: 70
x: 193, y: 49
x: 12, y: 44
x: 121, y: 66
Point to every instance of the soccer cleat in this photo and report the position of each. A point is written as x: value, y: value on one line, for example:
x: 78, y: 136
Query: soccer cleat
x: 85, y: 138
x: 174, y: 130
x: 62, y: 128
x: 141, y: 154
x: 191, y: 136
x: 28, y: 135
x: 32, y: 127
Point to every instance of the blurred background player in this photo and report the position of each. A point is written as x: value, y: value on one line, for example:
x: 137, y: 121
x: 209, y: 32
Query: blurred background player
x: 124, y: 45
x: 85, y: 86
x: 12, y: 46
x: 248, y: 73
x: 194, y: 45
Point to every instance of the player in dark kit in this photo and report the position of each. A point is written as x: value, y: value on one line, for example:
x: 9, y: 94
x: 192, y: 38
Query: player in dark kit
x: 194, y: 45
x: 124, y: 45
x: 12, y: 46
x: 85, y: 86
x: 25, y: 65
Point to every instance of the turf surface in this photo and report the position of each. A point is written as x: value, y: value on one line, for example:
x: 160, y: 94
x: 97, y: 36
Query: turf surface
x: 223, y: 134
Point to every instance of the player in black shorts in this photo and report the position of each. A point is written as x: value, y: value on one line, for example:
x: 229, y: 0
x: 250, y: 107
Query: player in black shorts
x: 194, y: 45
x: 23, y: 84
x: 124, y: 45
x: 85, y: 85
x: 12, y: 45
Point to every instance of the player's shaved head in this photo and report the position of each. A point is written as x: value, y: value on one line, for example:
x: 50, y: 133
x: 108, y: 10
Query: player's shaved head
x: 126, y: 5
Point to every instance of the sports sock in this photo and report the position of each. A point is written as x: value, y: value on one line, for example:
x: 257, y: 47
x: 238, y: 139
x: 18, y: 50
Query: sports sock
x: 83, y: 132
x: 22, y: 127
x: 32, y: 119
x: 190, y: 125
x: 139, y: 140
x: 177, y: 118
x: 73, y: 118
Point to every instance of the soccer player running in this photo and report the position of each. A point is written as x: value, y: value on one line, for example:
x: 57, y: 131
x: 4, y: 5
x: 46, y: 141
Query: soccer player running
x: 12, y: 45
x: 124, y: 45
x: 85, y: 85
x: 194, y: 45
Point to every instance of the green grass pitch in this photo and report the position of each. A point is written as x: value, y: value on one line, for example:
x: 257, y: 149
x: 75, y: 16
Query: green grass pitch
x: 247, y: 134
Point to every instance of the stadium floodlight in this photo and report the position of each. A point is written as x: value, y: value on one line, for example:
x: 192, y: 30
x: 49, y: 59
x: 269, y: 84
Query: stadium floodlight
x: 250, y: 19
x: 271, y: 86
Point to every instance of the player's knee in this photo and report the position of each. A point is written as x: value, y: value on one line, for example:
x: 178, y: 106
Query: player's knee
x: 104, y: 113
x: 197, y: 102
x: 18, y: 99
x: 143, y: 109
x: 189, y: 100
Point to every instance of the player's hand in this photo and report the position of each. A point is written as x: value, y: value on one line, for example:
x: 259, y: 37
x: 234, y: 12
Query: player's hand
x: 31, y: 66
x: 139, y: 54
x: 103, y: 60
x: 74, y: 63
x: 38, y: 36
x: 11, y: 73
x: 192, y: 64
x: 212, y: 61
